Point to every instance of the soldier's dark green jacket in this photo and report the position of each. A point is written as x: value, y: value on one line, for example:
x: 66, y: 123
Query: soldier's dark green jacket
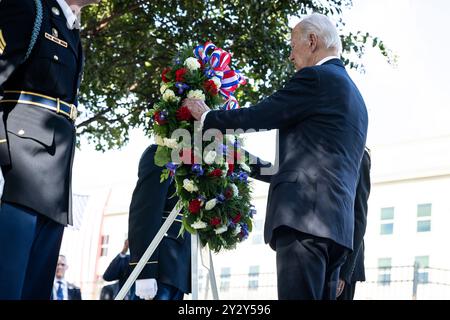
x: 36, y: 141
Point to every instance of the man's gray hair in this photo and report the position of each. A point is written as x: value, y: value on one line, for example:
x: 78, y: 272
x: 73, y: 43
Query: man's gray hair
x: 323, y: 28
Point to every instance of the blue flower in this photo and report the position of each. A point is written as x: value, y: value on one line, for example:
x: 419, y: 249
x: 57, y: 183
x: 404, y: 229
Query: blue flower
x: 244, y: 231
x: 243, y: 176
x: 181, y: 87
x: 163, y: 115
x: 233, y: 176
x: 252, y: 211
x: 177, y: 60
x: 197, y: 169
x: 220, y: 198
x: 172, y: 168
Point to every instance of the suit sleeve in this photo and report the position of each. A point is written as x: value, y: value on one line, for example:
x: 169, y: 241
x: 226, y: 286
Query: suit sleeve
x: 118, y: 266
x: 361, y: 199
x: 284, y: 108
x: 16, y: 24
x: 146, y: 210
x: 256, y: 164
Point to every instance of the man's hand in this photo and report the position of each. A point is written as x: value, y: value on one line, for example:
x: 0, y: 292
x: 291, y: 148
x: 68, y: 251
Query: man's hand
x: 340, y: 287
x: 146, y: 288
x: 197, y: 107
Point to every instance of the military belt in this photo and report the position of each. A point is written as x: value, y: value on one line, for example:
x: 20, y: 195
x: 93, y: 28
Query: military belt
x: 39, y: 100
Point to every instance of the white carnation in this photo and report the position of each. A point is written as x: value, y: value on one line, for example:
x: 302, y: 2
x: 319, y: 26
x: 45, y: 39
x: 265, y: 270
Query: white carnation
x: 245, y: 167
x: 170, y: 143
x: 159, y: 140
x: 211, y: 204
x: 210, y: 157
x: 189, y: 185
x: 163, y: 88
x: 199, y: 225
x: 237, y: 230
x: 169, y: 95
x: 196, y: 94
x: 235, y: 190
x: 192, y: 64
x: 217, y: 82
x: 220, y: 230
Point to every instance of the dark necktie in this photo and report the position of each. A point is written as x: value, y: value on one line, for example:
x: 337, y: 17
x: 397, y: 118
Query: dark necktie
x: 59, y: 291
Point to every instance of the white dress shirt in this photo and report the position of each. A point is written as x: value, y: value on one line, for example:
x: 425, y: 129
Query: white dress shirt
x: 64, y: 289
x: 72, y: 20
x: 326, y: 59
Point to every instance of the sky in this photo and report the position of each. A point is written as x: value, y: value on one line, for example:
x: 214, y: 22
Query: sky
x: 405, y: 102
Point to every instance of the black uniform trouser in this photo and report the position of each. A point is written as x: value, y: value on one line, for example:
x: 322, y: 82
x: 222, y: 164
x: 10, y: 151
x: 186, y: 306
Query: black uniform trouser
x: 29, y: 248
x: 307, y: 266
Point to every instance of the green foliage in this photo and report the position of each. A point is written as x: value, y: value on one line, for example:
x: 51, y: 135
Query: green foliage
x: 129, y: 42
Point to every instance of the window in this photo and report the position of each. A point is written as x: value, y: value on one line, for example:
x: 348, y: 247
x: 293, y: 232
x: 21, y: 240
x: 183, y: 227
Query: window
x: 104, y: 245
x: 422, y: 264
x: 384, y: 271
x: 424, y: 217
x: 225, y: 275
x: 387, y: 221
x: 253, y: 275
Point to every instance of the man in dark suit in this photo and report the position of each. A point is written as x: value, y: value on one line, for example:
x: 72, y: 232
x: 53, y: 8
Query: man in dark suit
x: 167, y: 275
x: 322, y: 122
x: 353, y: 269
x: 63, y: 290
x: 40, y: 71
x: 119, y: 269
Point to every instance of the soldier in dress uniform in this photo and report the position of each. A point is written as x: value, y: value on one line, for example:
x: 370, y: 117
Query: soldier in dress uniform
x: 167, y: 275
x: 41, y: 62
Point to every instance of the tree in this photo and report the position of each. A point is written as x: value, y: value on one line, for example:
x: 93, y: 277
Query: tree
x: 128, y: 44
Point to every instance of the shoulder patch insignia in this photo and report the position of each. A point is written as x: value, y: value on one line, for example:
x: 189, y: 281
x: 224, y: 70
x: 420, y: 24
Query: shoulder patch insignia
x: 2, y: 43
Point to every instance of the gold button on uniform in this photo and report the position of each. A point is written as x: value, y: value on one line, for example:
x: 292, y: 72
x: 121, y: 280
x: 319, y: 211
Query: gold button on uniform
x: 55, y: 57
x: 55, y: 11
x: 55, y: 32
x: 21, y: 132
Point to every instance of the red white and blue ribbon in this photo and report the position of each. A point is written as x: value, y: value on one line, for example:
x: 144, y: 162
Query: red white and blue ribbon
x: 217, y: 65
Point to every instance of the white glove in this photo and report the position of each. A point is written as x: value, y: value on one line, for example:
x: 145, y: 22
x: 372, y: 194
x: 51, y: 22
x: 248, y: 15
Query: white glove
x: 146, y: 288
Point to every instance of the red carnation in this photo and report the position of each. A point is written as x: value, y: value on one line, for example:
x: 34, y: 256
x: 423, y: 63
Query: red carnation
x: 230, y: 168
x: 215, y: 173
x: 215, y: 221
x: 183, y: 114
x: 194, y: 206
x: 237, y: 218
x: 164, y: 73
x: 228, y: 193
x: 159, y: 119
x: 179, y: 75
x: 211, y: 87
x: 188, y: 157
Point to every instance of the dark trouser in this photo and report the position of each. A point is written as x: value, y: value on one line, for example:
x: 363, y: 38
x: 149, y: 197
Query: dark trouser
x: 168, y: 292
x: 349, y: 291
x: 29, y: 248
x: 307, y: 266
